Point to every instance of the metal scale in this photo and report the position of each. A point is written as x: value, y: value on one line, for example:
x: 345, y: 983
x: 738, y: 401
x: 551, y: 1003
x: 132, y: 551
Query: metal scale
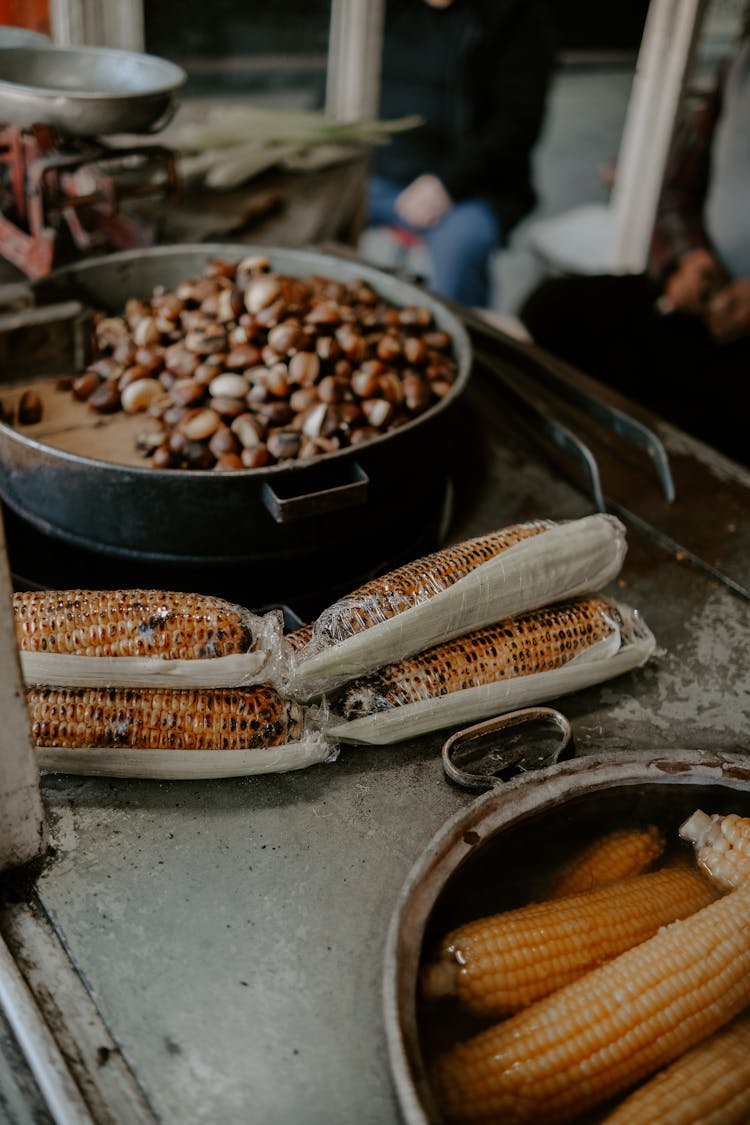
x: 64, y: 180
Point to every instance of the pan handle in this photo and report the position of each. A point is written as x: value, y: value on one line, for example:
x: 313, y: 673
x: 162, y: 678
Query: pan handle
x: 349, y: 494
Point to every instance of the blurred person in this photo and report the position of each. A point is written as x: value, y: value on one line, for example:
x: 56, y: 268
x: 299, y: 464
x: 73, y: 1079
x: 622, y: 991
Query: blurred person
x: 477, y: 73
x: 677, y: 337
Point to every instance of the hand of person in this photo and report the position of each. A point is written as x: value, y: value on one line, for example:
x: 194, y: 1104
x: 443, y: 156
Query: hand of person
x: 693, y: 283
x: 423, y: 202
x: 728, y: 314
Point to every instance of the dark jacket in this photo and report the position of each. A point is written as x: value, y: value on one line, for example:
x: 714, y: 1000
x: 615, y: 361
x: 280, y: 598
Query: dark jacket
x: 478, y: 73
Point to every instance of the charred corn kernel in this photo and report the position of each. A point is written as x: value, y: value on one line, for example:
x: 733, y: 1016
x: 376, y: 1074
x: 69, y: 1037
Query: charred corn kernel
x: 160, y: 623
x: 501, y: 964
x: 618, y: 855
x: 615, y: 1026
x: 163, y: 719
x: 299, y: 638
x: 722, y: 846
x: 533, y: 642
x: 708, y: 1085
x: 416, y: 582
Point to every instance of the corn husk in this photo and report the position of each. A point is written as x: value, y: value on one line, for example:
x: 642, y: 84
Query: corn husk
x: 307, y: 746
x: 243, y: 669
x: 562, y: 561
x: 185, y: 765
x: 626, y: 648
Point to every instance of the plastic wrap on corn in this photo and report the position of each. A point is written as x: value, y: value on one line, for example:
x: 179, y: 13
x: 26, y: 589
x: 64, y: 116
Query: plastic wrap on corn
x: 153, y: 638
x: 174, y: 732
x: 524, y: 660
x: 453, y: 591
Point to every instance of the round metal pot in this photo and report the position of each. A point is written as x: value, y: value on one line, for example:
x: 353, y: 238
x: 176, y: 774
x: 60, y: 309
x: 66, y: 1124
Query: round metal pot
x: 87, y: 91
x: 286, y: 509
x: 484, y: 859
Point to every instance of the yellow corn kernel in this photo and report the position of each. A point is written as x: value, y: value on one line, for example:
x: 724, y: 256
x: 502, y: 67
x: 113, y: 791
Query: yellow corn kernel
x: 618, y: 855
x: 163, y: 718
x: 722, y: 846
x: 615, y: 1026
x: 171, y: 625
x: 501, y: 964
x: 416, y: 582
x: 708, y: 1085
x: 519, y: 646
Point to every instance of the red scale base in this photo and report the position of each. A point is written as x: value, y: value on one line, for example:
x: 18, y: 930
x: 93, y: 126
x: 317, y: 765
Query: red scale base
x: 62, y: 199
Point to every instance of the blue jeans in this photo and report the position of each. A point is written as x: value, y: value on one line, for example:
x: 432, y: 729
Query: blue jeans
x: 459, y: 245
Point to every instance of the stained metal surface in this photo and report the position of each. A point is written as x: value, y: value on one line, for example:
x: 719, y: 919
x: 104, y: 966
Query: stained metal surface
x: 700, y: 509
x: 532, y: 369
x: 540, y: 420
x: 232, y: 933
x: 20, y: 1100
x: 39, y: 1046
x: 109, y: 1089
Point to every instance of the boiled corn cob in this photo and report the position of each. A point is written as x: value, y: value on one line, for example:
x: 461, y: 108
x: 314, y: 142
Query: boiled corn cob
x: 708, y: 1085
x: 416, y: 582
x: 599, y: 1035
x: 722, y: 846
x: 534, y: 642
x: 104, y: 623
x: 498, y: 965
x: 618, y: 855
x: 162, y: 719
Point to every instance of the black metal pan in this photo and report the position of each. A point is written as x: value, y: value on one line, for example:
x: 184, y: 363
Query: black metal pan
x: 286, y: 509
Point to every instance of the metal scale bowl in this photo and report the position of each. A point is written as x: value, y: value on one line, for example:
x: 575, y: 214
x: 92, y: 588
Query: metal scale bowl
x: 62, y: 183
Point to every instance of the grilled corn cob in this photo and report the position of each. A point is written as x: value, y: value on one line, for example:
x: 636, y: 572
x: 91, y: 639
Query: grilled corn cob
x: 162, y: 719
x: 118, y: 623
x: 299, y: 638
x: 618, y: 855
x: 520, y: 646
x: 498, y: 965
x: 616, y: 1025
x: 708, y: 1085
x: 416, y: 582
x: 722, y: 846
x: 454, y: 592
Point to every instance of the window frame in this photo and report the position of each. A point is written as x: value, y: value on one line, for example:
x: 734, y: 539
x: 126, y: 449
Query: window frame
x: 353, y: 80
x: 665, y: 59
